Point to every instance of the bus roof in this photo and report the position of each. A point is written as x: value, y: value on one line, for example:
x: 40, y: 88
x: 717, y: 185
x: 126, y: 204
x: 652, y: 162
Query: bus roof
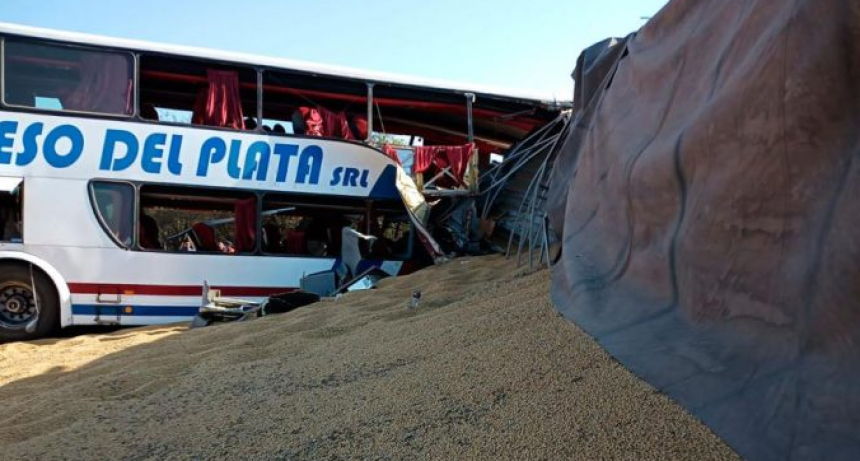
x: 522, y: 96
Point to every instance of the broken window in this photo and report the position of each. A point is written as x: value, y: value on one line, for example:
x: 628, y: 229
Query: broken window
x: 295, y: 225
x: 187, y: 91
x: 184, y: 219
x: 395, y: 237
x: 311, y: 226
x: 314, y: 105
x: 11, y: 216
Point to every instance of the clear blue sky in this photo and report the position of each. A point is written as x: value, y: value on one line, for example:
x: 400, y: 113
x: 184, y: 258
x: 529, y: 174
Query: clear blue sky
x: 525, y: 44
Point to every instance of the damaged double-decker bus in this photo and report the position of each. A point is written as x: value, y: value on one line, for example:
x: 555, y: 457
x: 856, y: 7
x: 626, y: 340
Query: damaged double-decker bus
x: 132, y: 173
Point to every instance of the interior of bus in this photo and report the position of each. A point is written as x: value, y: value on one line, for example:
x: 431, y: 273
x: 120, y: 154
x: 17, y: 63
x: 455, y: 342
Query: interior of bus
x: 182, y: 219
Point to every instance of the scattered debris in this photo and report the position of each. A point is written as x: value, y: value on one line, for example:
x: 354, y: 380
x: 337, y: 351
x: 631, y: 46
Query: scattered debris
x: 416, y: 298
x: 216, y: 308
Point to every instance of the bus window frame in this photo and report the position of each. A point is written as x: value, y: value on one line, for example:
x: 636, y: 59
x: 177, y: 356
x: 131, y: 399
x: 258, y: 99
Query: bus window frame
x: 58, y: 44
x: 294, y: 200
x: 98, y: 214
x: 202, y: 61
x: 260, y: 197
x: 257, y: 195
x: 2, y: 69
x: 135, y: 111
x: 311, y: 75
x: 305, y: 205
x: 135, y: 116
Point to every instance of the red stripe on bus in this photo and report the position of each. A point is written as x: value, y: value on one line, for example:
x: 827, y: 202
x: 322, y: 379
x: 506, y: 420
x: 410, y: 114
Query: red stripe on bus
x: 172, y: 290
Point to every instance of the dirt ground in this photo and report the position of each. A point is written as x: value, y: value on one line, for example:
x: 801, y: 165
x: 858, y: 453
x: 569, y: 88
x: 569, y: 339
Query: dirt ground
x: 483, y: 369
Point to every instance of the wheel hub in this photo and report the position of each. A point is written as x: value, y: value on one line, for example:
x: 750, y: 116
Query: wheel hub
x: 17, y: 304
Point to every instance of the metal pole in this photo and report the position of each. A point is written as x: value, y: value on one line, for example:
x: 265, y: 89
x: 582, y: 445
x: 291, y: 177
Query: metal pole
x: 259, y: 113
x: 470, y: 99
x: 546, y: 238
x: 369, y: 111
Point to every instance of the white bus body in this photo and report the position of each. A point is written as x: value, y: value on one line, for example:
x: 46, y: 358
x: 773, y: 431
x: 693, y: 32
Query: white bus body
x: 117, y: 157
x: 100, y: 282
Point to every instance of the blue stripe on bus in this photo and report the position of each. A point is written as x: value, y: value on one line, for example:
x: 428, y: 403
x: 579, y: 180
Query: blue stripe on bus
x: 386, y: 185
x: 138, y: 311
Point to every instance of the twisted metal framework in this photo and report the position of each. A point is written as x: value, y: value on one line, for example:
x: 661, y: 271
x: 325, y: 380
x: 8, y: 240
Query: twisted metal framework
x: 530, y: 224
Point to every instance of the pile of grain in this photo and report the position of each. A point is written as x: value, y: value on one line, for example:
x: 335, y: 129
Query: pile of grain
x: 483, y: 369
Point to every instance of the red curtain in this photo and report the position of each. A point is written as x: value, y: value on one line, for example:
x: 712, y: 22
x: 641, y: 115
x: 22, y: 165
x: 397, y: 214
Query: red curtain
x: 105, y: 85
x: 458, y: 158
x: 246, y: 224
x: 391, y: 152
x: 313, y: 121
x: 424, y: 156
x: 220, y: 104
x: 335, y: 124
x: 295, y: 242
x: 443, y: 156
x: 360, y: 124
x: 323, y: 122
x: 205, y: 237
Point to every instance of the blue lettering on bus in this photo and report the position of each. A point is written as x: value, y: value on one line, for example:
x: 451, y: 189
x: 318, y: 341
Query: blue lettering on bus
x: 253, y: 163
x: 257, y: 160
x: 349, y: 177
x: 112, y: 139
x: 233, y: 159
x: 212, y: 151
x: 284, y: 152
x: 310, y: 163
x: 119, y: 141
x: 75, y: 137
x: 63, y: 145
x: 174, y: 165
x: 7, y: 128
x: 31, y: 147
x: 153, y: 151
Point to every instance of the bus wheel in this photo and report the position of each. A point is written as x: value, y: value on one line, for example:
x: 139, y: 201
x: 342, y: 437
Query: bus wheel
x: 21, y: 318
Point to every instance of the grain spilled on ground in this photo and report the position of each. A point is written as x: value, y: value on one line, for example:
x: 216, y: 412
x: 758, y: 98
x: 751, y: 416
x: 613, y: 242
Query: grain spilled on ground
x: 484, y: 369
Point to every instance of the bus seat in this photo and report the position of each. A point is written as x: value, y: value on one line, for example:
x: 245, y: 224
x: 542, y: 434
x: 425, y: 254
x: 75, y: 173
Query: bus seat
x: 298, y: 121
x: 272, y: 241
x: 358, y: 126
x: 313, y: 121
x: 148, y: 233
x: 205, y: 237
x: 295, y: 242
x: 148, y: 112
x: 335, y: 124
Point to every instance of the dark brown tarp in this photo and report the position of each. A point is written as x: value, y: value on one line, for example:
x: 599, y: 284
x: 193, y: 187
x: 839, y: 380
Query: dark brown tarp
x: 709, y: 202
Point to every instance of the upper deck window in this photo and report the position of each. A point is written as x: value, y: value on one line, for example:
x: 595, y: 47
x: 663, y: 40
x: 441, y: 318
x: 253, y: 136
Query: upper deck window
x: 314, y: 106
x: 180, y: 90
x: 54, y: 77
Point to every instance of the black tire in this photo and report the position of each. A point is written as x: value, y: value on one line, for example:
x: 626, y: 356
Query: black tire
x: 17, y: 303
